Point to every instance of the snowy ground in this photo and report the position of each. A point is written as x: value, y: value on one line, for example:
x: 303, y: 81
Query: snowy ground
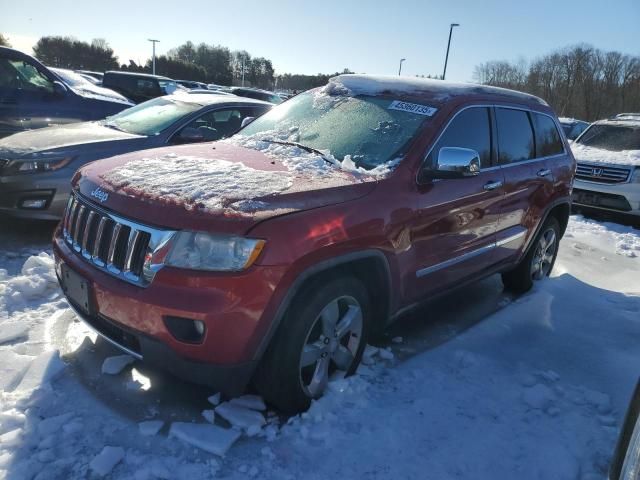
x: 494, y: 387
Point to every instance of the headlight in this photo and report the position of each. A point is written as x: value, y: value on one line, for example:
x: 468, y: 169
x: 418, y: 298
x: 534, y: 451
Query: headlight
x: 222, y: 253
x: 17, y: 167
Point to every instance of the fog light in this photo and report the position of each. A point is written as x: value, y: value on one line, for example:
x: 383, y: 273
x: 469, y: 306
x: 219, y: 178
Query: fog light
x: 185, y: 329
x: 34, y: 203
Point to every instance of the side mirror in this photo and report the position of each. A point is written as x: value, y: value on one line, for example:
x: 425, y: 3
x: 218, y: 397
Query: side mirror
x: 59, y: 88
x: 246, y: 121
x: 456, y: 162
x: 190, y: 135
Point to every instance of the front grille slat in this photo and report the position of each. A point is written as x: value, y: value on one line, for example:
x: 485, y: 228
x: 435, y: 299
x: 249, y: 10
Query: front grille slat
x: 134, y: 237
x: 95, y: 254
x: 87, y: 235
x: 77, y: 231
x: 602, y: 173
x: 117, y: 248
x: 113, y: 244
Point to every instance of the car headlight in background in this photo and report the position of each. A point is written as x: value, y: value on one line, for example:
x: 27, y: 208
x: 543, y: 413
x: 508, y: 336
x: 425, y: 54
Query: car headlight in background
x: 17, y: 167
x: 204, y: 251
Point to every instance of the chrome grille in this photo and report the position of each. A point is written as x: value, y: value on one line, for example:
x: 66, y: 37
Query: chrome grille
x: 602, y: 173
x: 111, y: 243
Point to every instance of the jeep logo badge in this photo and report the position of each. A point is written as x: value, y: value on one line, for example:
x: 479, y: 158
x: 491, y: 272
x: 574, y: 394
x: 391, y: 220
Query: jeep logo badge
x: 100, y: 195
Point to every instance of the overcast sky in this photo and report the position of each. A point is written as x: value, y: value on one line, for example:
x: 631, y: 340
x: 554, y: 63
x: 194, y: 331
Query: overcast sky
x: 327, y: 36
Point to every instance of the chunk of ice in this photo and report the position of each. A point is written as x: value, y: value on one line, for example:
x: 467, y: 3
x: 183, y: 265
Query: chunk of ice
x: 106, y: 460
x: 12, y: 331
x: 114, y: 365
x: 210, y: 438
x: 46, y: 367
x: 239, y: 416
x: 252, y: 402
x: 209, y: 415
x: 150, y: 427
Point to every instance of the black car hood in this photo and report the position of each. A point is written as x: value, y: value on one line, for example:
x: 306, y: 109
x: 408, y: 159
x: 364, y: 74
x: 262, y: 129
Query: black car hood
x: 37, y: 143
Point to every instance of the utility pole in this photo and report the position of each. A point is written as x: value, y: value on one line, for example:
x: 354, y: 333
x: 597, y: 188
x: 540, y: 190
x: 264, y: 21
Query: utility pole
x: 400, y: 69
x: 446, y: 58
x: 154, y: 55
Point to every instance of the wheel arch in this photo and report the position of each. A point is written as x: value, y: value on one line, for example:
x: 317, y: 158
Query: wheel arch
x: 369, y: 266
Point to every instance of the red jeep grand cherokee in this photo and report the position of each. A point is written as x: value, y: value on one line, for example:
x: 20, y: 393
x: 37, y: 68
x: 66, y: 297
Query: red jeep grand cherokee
x: 271, y: 257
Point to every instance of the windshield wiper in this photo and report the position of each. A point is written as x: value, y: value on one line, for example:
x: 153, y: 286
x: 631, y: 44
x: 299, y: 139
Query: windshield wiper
x: 303, y: 147
x: 115, y: 127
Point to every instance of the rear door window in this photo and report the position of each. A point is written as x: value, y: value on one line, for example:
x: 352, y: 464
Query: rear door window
x: 547, y: 137
x: 515, y: 136
x: 469, y: 129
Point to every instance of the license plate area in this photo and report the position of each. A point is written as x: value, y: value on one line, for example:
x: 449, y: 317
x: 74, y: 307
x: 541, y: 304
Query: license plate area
x: 76, y: 288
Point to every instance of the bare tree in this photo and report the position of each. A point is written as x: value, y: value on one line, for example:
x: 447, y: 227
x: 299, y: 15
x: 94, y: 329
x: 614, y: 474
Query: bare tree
x: 580, y: 81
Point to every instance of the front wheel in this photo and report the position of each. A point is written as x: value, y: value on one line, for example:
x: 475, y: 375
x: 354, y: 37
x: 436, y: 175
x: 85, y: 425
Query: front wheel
x: 322, y: 335
x: 539, y: 260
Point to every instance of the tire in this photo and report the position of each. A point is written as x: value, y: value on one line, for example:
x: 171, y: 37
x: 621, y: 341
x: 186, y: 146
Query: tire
x: 538, y: 262
x: 292, y: 371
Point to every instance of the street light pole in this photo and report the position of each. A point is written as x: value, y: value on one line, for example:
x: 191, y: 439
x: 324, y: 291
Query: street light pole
x: 400, y: 69
x: 154, y: 55
x: 446, y: 59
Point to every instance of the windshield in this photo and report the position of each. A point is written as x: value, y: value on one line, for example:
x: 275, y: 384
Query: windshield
x: 612, y: 137
x: 152, y: 117
x: 364, y: 128
x: 72, y: 78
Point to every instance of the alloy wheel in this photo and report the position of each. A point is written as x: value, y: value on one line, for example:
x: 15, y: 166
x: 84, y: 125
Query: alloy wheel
x: 331, y: 344
x: 543, y: 257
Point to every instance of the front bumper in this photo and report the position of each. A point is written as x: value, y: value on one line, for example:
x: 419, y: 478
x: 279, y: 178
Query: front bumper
x: 53, y: 188
x: 235, y: 308
x: 619, y: 197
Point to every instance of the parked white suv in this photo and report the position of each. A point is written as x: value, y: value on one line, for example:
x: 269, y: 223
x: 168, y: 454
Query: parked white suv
x: 608, y: 171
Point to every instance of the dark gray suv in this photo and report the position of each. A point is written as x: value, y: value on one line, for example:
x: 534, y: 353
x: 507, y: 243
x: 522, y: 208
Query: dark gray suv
x: 32, y: 96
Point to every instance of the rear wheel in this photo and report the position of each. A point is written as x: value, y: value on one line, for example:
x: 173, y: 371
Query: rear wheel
x: 322, y: 335
x: 539, y: 260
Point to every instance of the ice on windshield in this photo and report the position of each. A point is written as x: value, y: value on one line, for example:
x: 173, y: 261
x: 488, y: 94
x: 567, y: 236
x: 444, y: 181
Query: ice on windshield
x: 152, y: 117
x: 361, y: 132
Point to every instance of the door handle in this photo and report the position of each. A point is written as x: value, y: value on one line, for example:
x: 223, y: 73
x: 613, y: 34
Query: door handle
x: 492, y: 185
x: 544, y: 172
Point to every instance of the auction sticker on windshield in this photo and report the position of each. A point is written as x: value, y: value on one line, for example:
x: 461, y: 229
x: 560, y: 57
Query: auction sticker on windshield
x: 412, y: 108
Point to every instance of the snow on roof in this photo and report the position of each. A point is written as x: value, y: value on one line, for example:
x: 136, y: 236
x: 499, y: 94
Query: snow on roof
x: 209, y: 98
x: 570, y: 120
x: 584, y: 153
x: 356, y: 84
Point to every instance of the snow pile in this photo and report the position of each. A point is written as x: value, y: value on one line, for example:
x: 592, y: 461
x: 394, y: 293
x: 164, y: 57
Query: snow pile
x: 199, y: 182
x: 583, y: 153
x: 38, y: 279
x: 625, y: 240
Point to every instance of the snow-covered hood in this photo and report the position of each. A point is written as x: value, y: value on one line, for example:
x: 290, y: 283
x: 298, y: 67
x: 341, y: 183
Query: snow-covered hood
x: 583, y: 153
x: 59, y: 139
x: 218, y: 187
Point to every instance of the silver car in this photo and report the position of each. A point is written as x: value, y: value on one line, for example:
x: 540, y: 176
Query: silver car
x: 608, y: 170
x: 36, y: 166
